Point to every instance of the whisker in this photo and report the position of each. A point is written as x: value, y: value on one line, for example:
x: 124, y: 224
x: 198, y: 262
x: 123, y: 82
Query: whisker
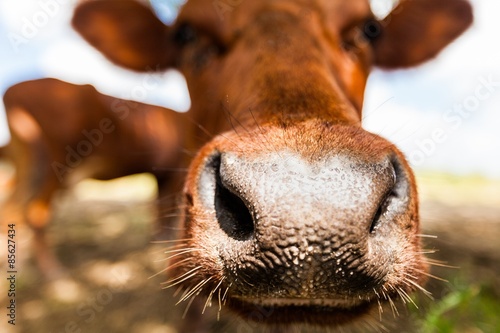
x: 171, y: 215
x: 439, y: 263
x: 174, y: 251
x: 183, y: 278
x: 419, y: 287
x: 173, y: 228
x: 369, y: 113
x: 180, y: 254
x: 205, y: 131
x: 166, y: 249
x: 185, y: 292
x: 177, y: 291
x: 229, y: 119
x: 395, y: 312
x: 426, y: 236
x: 224, y: 299
x: 401, y: 296
x: 220, y: 306
x: 183, y: 274
x: 178, y: 282
x: 170, y: 199
x: 209, y: 298
x: 172, y: 209
x: 171, y: 241
x: 201, y: 127
x: 188, y: 306
x: 174, y: 201
x: 424, y: 251
x: 380, y: 309
x: 176, y: 264
x: 407, y: 297
x: 197, y: 288
x: 433, y: 276
x: 187, y: 152
x: 162, y: 250
x: 260, y: 135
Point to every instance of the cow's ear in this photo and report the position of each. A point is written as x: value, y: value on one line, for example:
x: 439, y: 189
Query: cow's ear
x: 127, y: 33
x: 417, y: 30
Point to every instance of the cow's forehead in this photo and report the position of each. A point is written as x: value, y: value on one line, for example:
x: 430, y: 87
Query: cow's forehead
x: 341, y: 13
x: 225, y: 14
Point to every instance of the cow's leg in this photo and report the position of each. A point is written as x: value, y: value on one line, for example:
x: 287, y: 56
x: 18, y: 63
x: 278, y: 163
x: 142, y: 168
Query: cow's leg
x: 38, y: 215
x: 30, y: 202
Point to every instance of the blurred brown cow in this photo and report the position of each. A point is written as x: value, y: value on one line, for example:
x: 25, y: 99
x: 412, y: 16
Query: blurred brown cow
x: 63, y: 133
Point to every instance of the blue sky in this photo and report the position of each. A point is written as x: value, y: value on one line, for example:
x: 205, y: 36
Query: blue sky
x: 416, y: 109
x: 409, y: 106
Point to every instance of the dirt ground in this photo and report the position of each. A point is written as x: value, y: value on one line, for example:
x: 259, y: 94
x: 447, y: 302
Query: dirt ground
x: 110, y: 284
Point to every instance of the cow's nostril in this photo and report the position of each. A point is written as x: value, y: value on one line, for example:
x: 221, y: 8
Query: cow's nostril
x: 384, y: 204
x: 232, y: 213
x: 396, y: 194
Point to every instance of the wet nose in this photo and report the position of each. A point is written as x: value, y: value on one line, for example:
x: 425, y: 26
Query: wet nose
x: 280, y: 208
x: 249, y: 194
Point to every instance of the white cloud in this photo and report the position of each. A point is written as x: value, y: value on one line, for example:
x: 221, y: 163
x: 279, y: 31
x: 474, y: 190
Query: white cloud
x: 74, y: 61
x: 410, y: 104
x: 4, y: 130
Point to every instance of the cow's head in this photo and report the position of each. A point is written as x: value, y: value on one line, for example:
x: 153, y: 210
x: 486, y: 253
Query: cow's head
x: 293, y: 208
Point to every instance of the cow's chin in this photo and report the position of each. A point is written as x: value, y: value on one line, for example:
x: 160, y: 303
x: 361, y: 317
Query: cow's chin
x: 290, y: 311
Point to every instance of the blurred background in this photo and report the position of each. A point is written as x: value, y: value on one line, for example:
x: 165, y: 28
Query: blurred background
x: 458, y: 175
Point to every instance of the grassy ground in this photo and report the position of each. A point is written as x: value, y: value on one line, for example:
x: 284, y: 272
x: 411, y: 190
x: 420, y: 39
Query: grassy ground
x: 464, y: 214
x: 105, y: 246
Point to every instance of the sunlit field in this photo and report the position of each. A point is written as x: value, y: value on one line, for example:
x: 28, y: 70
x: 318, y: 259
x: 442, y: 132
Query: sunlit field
x: 464, y: 215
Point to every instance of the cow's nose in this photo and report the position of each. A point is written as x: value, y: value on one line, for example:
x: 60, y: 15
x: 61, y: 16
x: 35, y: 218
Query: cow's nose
x: 281, y: 210
x: 247, y: 192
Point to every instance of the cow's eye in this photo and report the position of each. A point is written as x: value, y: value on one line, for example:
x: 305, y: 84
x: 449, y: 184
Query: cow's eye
x: 358, y: 37
x: 185, y: 34
x: 372, y: 29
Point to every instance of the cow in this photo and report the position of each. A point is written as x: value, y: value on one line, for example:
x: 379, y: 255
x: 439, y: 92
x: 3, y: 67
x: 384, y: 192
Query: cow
x: 289, y: 206
x: 63, y: 133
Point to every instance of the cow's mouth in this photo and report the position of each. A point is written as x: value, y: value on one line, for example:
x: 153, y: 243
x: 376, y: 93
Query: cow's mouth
x: 286, y: 311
